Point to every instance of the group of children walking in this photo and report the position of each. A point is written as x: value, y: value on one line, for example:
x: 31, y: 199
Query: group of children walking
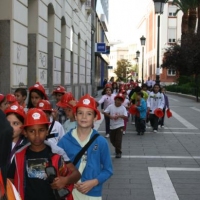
x: 51, y: 158
x: 124, y: 100
x: 51, y: 150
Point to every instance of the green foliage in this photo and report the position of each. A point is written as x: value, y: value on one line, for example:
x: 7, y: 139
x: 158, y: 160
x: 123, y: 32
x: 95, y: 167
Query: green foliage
x: 123, y: 67
x: 185, y: 59
x: 186, y: 85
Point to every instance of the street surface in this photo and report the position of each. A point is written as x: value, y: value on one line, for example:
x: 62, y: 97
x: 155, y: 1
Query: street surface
x: 159, y: 166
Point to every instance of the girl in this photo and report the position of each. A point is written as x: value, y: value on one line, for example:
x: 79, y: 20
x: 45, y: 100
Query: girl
x: 107, y: 99
x: 161, y: 120
x: 15, y: 115
x: 7, y: 190
x: 126, y: 104
x: 36, y: 93
x: 115, y: 88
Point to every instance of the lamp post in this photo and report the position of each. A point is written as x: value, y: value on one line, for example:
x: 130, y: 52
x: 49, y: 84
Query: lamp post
x: 159, y: 6
x: 137, y: 57
x: 142, y: 40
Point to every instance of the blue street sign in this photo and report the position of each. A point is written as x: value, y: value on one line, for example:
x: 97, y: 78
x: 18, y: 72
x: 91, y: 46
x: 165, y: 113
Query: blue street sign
x: 100, y: 47
x: 110, y: 67
x: 107, y: 50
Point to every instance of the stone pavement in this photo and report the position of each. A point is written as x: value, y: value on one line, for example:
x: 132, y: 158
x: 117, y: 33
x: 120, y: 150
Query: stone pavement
x: 159, y: 166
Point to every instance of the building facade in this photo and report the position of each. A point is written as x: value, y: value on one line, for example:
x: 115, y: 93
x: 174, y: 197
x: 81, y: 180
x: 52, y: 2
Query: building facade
x: 48, y: 41
x: 170, y: 33
x: 101, y: 36
x: 123, y: 51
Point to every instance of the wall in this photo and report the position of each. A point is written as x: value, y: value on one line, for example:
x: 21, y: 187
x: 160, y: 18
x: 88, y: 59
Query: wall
x: 38, y: 44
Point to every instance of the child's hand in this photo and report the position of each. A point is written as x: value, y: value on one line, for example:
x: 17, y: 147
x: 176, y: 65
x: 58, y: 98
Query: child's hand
x: 59, y: 183
x: 86, y: 186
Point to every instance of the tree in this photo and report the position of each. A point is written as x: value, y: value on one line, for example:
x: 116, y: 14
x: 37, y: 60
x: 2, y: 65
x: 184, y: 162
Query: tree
x: 189, y: 9
x: 122, y: 69
x: 185, y: 59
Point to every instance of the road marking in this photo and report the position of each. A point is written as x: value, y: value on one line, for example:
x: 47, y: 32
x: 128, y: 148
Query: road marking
x: 179, y: 133
x: 183, y: 121
x: 195, y: 109
x: 161, y: 132
x: 162, y: 185
x: 173, y: 99
x: 160, y: 157
x: 182, y: 169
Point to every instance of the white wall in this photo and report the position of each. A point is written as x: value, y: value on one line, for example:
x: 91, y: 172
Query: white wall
x: 17, y: 11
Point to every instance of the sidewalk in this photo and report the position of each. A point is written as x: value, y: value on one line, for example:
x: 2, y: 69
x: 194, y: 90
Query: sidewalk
x: 158, y: 166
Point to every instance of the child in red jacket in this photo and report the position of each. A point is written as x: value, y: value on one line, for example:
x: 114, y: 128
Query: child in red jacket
x: 31, y: 162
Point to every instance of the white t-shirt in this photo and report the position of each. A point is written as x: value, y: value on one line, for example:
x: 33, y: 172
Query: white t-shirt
x: 115, y: 111
x: 126, y: 103
x: 58, y: 131
x: 107, y: 100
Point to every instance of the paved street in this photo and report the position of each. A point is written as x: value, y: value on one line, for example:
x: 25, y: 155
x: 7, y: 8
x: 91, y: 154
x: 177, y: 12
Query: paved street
x: 163, y: 165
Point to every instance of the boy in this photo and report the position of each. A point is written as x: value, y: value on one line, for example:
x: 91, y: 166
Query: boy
x: 21, y: 94
x: 140, y: 118
x: 59, y: 115
x: 31, y: 161
x: 56, y: 130
x: 95, y: 164
x: 65, y: 104
x: 154, y: 101
x: 117, y: 113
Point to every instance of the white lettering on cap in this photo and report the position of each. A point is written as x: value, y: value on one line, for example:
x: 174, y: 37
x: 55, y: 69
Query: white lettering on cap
x: 41, y: 105
x: 14, y: 107
x: 86, y: 101
x: 58, y: 88
x: 36, y: 85
x: 36, y: 116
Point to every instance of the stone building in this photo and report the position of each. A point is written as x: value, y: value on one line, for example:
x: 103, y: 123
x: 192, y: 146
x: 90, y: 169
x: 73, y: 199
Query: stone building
x: 48, y: 41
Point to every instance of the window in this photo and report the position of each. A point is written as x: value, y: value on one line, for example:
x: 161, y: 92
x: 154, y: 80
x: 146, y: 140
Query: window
x: 171, y: 35
x: 172, y: 11
x: 171, y: 72
x: 121, y: 56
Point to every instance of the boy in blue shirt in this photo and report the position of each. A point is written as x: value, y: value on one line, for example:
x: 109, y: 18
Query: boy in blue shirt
x: 95, y: 165
x: 140, y: 117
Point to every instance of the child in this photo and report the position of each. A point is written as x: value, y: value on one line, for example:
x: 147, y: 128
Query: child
x: 140, y: 118
x: 56, y: 130
x: 95, y: 165
x: 154, y: 101
x: 64, y: 103
x: 31, y: 161
x: 107, y: 99
x: 59, y: 115
x: 7, y: 189
x: 126, y: 104
x: 10, y: 99
x: 115, y: 88
x: 116, y: 113
x: 36, y: 93
x: 15, y: 115
x: 21, y: 94
x: 3, y: 102
x: 161, y: 121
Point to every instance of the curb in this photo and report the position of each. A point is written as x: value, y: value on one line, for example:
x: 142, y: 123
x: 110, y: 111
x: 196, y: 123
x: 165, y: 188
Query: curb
x: 183, y: 95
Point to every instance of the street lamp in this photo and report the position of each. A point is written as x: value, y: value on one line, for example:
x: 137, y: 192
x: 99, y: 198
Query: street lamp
x: 137, y: 57
x: 159, y: 6
x: 142, y: 40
